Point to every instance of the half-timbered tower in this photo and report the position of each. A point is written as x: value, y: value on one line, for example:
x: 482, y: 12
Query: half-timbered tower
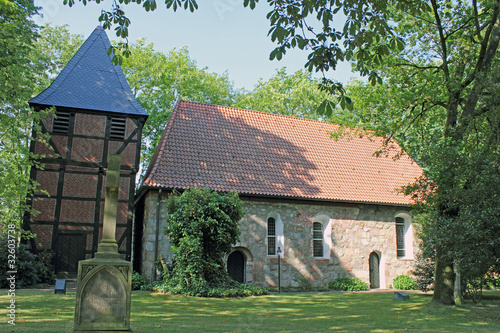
x: 95, y: 115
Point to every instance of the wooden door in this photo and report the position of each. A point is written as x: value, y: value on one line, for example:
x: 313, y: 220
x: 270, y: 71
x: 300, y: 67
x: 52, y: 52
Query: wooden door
x: 236, y: 266
x: 374, y: 271
x: 70, y: 250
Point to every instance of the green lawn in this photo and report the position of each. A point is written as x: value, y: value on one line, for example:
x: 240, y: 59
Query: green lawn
x: 42, y: 311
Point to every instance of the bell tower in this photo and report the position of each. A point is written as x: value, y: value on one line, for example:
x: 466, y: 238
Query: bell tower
x: 96, y: 115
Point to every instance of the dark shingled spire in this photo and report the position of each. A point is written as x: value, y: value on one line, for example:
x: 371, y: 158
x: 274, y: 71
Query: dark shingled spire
x: 91, y: 82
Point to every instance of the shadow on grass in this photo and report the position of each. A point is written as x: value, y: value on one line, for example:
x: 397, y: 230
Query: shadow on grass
x: 377, y: 312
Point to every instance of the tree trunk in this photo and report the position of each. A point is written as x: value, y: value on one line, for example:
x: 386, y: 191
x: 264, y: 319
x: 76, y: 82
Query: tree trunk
x: 444, y: 279
x: 457, y: 293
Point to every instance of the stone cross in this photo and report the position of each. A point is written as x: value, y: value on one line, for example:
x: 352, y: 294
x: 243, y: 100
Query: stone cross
x: 103, y: 288
x: 108, y: 246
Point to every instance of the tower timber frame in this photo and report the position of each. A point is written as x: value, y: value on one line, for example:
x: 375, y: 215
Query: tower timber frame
x: 73, y: 176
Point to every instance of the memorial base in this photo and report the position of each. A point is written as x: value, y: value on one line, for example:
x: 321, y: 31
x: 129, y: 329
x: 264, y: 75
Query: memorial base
x: 103, y: 294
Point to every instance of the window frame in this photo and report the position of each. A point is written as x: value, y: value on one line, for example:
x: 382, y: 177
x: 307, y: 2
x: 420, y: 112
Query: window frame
x: 271, y: 236
x: 400, y: 238
x: 278, y: 236
x: 318, y: 240
x: 61, y: 123
x: 402, y: 221
x: 326, y: 229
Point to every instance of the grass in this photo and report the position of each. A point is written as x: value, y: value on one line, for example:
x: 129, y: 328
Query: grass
x: 43, y: 311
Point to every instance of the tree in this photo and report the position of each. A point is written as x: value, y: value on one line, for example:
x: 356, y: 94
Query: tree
x: 17, y: 83
x: 295, y: 95
x: 449, y: 47
x: 471, y: 236
x: 202, y: 228
x: 444, y: 113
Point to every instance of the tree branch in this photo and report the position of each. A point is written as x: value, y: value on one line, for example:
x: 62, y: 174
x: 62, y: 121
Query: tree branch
x: 476, y: 19
x: 490, y: 46
x: 485, y: 44
x: 442, y: 39
x: 416, y: 66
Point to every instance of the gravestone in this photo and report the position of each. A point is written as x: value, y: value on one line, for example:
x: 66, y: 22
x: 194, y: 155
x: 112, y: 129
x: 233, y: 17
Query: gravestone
x: 60, y: 287
x: 401, y: 296
x: 104, y: 282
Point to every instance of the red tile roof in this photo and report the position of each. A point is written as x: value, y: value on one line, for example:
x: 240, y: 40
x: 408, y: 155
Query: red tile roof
x: 256, y: 153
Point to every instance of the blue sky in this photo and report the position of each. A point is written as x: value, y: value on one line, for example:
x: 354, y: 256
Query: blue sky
x: 221, y: 35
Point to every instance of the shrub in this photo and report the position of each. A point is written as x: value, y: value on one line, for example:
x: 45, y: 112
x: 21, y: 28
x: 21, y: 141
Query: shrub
x: 404, y: 282
x: 492, y: 281
x: 32, y: 269
x: 230, y: 289
x: 304, y: 284
x: 424, y: 273
x: 348, y: 284
x: 202, y: 227
x: 474, y: 287
x: 139, y: 281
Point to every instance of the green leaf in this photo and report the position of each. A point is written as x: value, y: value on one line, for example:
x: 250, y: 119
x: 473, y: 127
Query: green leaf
x: 326, y: 108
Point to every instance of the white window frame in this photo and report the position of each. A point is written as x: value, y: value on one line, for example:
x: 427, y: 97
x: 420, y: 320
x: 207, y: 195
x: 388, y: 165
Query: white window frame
x: 278, y: 235
x: 326, y: 223
x: 318, y: 239
x: 408, y: 235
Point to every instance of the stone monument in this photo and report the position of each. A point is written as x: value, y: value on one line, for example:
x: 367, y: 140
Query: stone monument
x: 104, y: 282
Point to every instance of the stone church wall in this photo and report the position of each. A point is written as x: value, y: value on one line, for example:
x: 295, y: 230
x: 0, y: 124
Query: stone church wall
x: 354, y: 232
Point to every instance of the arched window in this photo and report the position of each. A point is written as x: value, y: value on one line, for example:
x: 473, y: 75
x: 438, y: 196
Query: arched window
x: 275, y: 238
x: 318, y: 239
x: 322, y: 236
x: 400, y: 237
x: 271, y: 236
x: 404, y: 236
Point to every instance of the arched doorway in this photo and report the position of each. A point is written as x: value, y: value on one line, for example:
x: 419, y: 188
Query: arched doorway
x: 374, y: 271
x: 236, y: 263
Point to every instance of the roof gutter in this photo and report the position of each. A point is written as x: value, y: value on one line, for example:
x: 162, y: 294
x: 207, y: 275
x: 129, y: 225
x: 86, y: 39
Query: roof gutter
x: 144, y: 189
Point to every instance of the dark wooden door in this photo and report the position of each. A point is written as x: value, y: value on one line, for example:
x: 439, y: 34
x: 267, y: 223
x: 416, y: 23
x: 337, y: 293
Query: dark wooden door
x: 70, y: 250
x: 236, y: 266
x: 374, y: 271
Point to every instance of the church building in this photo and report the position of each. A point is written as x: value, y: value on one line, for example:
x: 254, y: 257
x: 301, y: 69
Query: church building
x: 327, y: 208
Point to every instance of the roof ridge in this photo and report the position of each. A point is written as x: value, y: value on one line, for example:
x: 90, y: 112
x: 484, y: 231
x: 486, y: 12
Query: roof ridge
x: 265, y: 113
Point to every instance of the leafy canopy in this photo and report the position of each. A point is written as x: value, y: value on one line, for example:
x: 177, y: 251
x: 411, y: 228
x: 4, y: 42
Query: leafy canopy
x: 294, y: 94
x: 18, y: 123
x: 439, y: 100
